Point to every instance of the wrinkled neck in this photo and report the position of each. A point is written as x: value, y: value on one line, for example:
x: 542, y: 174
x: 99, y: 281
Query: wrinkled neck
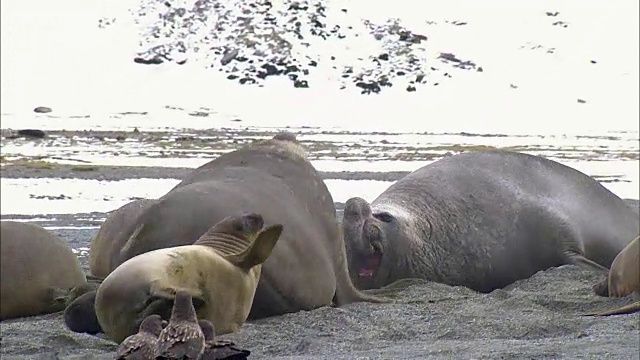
x: 426, y: 256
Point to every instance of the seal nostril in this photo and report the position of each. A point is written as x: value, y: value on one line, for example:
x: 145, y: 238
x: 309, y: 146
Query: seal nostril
x: 377, y: 247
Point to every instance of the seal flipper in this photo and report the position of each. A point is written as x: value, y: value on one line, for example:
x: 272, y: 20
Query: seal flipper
x: 602, y: 288
x: 127, y: 245
x: 245, y: 253
x: 577, y: 259
x: 57, y: 297
x: 257, y: 252
x: 627, y: 309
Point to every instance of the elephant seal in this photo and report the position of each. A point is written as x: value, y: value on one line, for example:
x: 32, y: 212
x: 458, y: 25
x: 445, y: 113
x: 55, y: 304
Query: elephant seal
x: 623, y: 279
x: 273, y: 177
x: 484, y: 220
x: 37, y: 270
x: 144, y: 344
x: 220, y: 271
x: 624, y: 275
x: 183, y: 337
x: 104, y: 254
x: 80, y: 315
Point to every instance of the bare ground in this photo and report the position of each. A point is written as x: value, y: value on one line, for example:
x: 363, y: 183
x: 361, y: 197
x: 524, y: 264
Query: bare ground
x: 536, y: 318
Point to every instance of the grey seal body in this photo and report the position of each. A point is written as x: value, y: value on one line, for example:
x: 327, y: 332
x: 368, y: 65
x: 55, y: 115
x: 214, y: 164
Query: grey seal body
x: 307, y: 268
x: 38, y: 270
x: 484, y: 220
x: 104, y: 255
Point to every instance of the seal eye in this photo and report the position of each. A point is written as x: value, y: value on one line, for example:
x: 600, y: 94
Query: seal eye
x: 238, y: 226
x: 384, y: 217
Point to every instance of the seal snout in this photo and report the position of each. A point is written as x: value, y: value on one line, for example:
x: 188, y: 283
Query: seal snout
x: 370, y: 261
x: 356, y: 208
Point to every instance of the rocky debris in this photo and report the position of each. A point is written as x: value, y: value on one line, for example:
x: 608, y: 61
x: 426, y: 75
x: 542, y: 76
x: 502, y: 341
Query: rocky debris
x: 251, y: 41
x: 42, y: 110
x: 466, y: 64
x: 27, y: 133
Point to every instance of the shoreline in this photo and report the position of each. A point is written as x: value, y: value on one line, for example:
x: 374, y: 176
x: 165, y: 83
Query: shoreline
x: 114, y: 173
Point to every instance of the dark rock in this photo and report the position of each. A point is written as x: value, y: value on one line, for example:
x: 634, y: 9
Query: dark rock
x: 247, y: 79
x: 32, y: 133
x: 300, y: 84
x: 368, y: 87
x: 156, y: 60
x: 411, y: 88
x: 582, y: 101
x: 232, y: 77
x: 384, y: 56
x: 449, y: 56
x: 268, y: 71
x: 229, y: 56
x: 42, y: 110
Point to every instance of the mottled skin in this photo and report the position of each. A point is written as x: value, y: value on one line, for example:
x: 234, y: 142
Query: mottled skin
x: 484, y: 220
x: 307, y: 269
x: 144, y: 344
x: 104, y: 255
x: 220, y: 271
x: 37, y: 271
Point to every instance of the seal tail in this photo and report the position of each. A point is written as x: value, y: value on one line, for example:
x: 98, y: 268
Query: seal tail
x: 627, y: 309
x: 346, y: 292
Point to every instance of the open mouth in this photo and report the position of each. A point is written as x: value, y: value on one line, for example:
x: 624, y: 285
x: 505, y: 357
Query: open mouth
x: 371, y: 264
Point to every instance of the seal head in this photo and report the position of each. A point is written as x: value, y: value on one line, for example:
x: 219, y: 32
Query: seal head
x: 367, y: 252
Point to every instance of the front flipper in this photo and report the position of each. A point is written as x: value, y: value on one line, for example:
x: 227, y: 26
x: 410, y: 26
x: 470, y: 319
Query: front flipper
x: 602, y: 288
x: 627, y: 309
x: 56, y: 298
x: 578, y: 259
x: 395, y: 287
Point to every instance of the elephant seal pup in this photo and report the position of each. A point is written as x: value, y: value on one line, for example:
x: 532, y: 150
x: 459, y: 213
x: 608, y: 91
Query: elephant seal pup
x: 37, y: 270
x: 484, y: 220
x: 220, y: 272
x: 623, y: 279
x: 80, y: 315
x: 104, y: 254
x: 144, y: 344
x: 183, y: 337
x: 273, y: 177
